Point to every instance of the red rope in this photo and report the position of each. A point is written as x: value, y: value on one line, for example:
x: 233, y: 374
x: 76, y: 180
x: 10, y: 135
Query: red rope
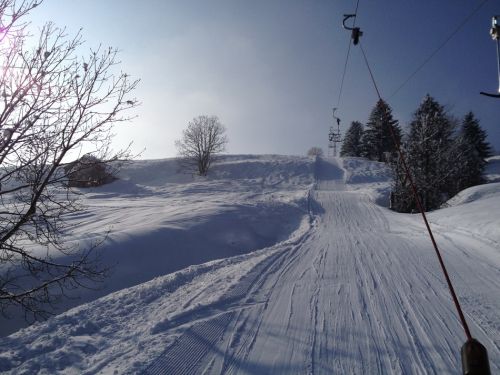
x: 421, y: 209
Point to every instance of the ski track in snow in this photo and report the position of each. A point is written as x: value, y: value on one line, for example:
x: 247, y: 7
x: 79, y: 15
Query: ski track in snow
x: 353, y: 298
x: 359, y: 292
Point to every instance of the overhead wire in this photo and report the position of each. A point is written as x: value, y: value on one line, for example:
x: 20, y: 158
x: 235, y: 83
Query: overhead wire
x: 370, y: 71
x: 343, y: 74
x: 433, y: 53
x: 347, y: 58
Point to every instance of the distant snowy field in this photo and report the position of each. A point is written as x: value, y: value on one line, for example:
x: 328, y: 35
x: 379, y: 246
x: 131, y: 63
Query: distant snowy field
x: 183, y: 246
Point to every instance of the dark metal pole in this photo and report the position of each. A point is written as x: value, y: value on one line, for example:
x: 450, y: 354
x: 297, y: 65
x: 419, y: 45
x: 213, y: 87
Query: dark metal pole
x: 498, y: 61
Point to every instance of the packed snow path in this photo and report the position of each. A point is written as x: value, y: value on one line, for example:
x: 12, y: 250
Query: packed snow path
x: 353, y: 296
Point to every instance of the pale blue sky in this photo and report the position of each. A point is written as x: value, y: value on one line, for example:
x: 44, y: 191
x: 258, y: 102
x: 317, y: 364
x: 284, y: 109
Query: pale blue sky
x: 271, y: 69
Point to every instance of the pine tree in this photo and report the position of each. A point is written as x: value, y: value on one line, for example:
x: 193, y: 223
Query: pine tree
x: 428, y: 149
x: 472, y: 151
x: 401, y: 195
x: 377, y: 140
x: 352, y: 140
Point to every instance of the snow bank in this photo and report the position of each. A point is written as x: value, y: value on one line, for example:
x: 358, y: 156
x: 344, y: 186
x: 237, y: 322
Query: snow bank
x: 475, y: 193
x: 474, y: 212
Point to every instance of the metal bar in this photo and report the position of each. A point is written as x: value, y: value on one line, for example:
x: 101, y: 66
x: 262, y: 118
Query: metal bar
x: 498, y: 61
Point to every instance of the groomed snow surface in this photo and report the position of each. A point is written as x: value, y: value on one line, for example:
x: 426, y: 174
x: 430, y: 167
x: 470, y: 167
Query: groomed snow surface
x: 272, y: 265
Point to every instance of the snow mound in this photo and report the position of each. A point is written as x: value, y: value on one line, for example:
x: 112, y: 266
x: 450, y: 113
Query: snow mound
x: 267, y: 169
x: 475, y: 193
x: 472, y: 212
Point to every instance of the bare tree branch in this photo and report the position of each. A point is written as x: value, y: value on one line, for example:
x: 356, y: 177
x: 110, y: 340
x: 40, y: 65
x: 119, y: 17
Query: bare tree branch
x: 53, y: 102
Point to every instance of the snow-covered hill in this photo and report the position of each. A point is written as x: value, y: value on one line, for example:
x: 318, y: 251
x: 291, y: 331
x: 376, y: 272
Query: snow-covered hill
x: 162, y: 220
x: 304, y: 275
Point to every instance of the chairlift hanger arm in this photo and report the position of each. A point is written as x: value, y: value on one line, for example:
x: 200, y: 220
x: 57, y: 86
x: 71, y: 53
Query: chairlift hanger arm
x: 356, y: 32
x: 490, y: 95
x: 333, y: 113
x: 337, y: 119
x: 495, y: 35
x: 495, y: 28
x: 346, y: 17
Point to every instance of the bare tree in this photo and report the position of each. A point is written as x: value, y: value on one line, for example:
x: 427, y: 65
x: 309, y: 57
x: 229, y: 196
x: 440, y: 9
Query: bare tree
x: 315, y: 151
x: 200, y: 142
x: 53, y: 103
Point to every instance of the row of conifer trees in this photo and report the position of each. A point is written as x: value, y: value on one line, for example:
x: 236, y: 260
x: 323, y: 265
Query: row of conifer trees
x: 444, y: 155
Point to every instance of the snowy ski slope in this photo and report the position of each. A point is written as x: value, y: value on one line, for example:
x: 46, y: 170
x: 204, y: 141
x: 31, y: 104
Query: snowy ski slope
x: 355, y: 289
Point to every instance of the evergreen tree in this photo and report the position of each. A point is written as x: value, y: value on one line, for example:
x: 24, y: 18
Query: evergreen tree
x: 472, y: 151
x: 401, y: 199
x: 352, y: 140
x: 377, y: 140
x: 429, y: 149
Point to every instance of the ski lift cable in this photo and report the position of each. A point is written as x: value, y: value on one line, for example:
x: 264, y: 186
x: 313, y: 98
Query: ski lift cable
x: 431, y: 56
x: 421, y: 209
x: 343, y: 74
x: 347, y: 57
x: 370, y: 71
